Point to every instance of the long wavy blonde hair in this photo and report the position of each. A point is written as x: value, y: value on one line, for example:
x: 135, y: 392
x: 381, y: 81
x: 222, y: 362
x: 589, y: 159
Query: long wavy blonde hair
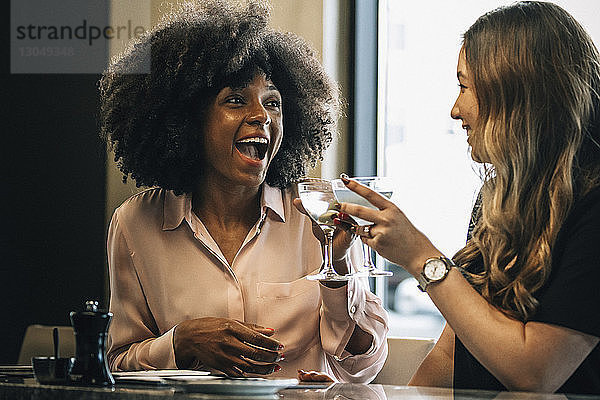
x: 536, y: 74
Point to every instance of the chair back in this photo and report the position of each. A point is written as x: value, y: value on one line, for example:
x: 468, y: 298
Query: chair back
x: 404, y: 357
x: 38, y: 341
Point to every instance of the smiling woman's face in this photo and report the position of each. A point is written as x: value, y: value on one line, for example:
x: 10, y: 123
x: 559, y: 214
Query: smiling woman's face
x: 466, y: 107
x: 243, y: 132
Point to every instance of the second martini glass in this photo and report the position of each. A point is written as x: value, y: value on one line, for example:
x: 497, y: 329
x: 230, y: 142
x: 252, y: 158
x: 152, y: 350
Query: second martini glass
x: 381, y: 185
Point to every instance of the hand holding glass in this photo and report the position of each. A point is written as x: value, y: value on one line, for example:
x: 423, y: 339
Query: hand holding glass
x: 319, y: 202
x: 381, y: 185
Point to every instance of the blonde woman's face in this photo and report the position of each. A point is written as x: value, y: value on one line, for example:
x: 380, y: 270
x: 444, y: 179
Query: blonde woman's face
x: 466, y: 107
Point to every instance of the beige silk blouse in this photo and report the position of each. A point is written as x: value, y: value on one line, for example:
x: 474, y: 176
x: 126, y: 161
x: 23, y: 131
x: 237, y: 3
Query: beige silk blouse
x: 166, y: 268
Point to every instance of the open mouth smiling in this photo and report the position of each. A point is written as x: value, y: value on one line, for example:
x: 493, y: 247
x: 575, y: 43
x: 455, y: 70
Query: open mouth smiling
x: 254, y: 148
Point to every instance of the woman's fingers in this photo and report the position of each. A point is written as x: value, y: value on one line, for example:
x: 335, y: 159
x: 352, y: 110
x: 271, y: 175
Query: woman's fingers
x: 258, y: 346
x: 240, y: 359
x: 259, y: 328
x: 373, y: 197
x: 259, y: 354
x: 230, y: 346
x: 261, y: 369
x: 232, y: 370
x: 343, y: 223
x: 255, y: 338
x: 253, y: 360
x: 313, y: 376
x: 362, y: 212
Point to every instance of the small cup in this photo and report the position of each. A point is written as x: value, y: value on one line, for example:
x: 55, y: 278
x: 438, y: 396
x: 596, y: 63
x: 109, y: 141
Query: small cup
x: 51, y: 370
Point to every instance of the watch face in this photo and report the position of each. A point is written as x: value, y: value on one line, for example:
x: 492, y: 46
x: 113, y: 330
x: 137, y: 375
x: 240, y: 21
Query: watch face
x: 434, y: 270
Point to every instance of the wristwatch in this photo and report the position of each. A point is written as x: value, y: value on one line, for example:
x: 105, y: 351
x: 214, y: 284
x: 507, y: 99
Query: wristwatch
x: 434, y: 270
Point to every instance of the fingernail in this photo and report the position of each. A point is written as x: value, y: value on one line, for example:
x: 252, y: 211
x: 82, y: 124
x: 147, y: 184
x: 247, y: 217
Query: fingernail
x: 280, y: 347
x: 281, y: 357
x: 271, y: 329
x: 277, y: 368
x: 343, y: 176
x: 337, y: 221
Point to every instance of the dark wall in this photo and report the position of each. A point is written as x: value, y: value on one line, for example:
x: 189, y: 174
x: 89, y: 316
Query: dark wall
x: 53, y: 190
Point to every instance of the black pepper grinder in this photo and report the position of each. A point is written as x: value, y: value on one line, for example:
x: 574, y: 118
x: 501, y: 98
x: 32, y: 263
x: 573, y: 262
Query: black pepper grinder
x: 91, y: 328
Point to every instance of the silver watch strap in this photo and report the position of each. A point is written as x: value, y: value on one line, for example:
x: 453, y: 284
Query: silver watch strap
x: 423, y: 282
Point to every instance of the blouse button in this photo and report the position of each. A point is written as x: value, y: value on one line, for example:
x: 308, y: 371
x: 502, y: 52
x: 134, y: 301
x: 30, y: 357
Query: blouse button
x: 352, y: 309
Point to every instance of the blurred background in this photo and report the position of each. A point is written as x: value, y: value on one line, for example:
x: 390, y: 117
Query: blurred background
x: 395, y: 61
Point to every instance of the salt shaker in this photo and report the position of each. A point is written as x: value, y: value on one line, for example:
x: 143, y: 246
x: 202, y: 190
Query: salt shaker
x: 91, y: 328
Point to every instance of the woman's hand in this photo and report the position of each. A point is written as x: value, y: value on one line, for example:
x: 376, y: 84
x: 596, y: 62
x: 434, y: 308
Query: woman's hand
x: 313, y: 376
x: 227, y: 345
x: 342, y: 237
x: 392, y: 235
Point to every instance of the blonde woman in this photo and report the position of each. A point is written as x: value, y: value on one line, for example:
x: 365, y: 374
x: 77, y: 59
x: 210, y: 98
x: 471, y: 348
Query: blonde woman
x: 523, y: 314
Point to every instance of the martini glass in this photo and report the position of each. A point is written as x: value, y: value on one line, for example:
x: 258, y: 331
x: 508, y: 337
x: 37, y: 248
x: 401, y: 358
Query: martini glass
x: 319, y: 202
x: 381, y: 185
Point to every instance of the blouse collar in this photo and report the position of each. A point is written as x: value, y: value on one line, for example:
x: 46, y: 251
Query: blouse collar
x: 177, y: 208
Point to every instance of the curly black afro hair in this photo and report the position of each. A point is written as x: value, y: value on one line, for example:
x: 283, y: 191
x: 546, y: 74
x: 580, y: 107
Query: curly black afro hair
x: 151, y: 120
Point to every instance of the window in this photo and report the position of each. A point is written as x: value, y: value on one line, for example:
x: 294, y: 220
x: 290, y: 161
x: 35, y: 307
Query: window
x: 419, y: 145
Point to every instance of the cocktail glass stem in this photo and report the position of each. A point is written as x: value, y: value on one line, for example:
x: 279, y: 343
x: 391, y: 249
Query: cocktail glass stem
x: 368, y: 261
x: 327, y: 272
x: 328, y: 253
x: 369, y: 267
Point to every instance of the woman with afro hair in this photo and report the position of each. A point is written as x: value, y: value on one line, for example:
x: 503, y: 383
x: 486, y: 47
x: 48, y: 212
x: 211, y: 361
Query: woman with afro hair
x: 208, y: 265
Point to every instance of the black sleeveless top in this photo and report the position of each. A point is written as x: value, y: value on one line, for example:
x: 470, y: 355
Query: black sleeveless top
x: 570, y: 298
